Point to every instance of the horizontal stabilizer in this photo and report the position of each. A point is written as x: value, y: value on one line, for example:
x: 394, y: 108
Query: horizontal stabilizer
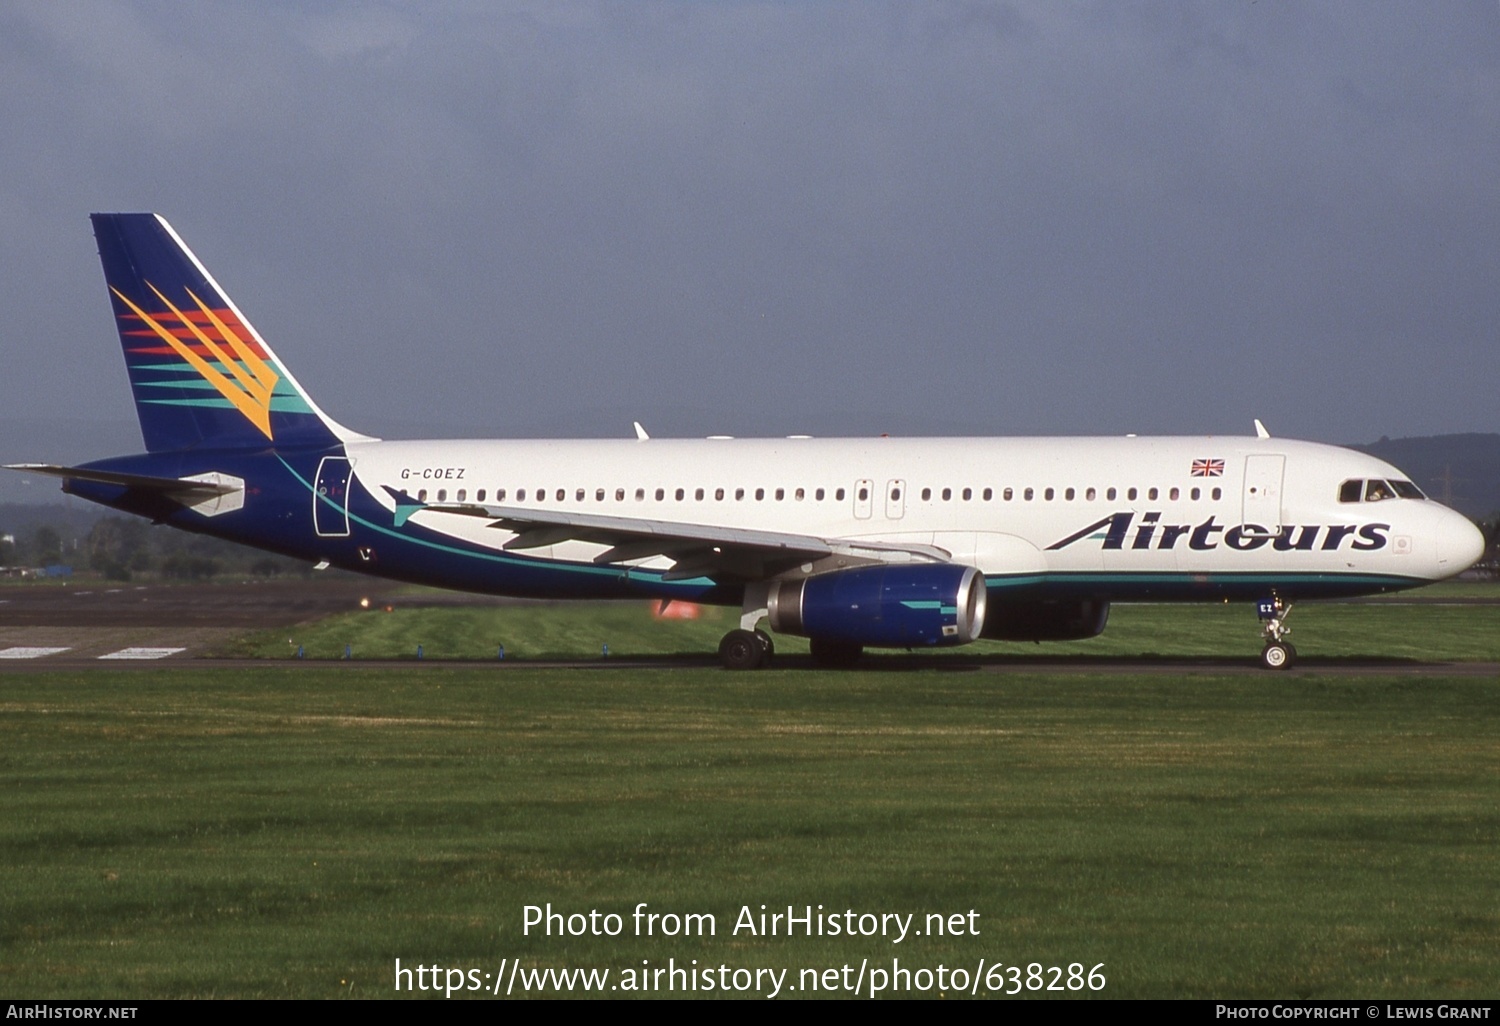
x: 168, y: 485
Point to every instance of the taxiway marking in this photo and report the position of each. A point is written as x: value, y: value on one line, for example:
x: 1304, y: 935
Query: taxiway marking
x: 143, y: 653
x: 28, y: 652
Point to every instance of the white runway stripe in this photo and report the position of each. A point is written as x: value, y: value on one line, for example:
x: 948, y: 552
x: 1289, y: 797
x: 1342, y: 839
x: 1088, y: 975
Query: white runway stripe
x: 143, y: 653
x: 28, y: 652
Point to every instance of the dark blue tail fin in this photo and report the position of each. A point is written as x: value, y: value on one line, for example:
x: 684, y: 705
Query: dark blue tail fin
x: 202, y: 376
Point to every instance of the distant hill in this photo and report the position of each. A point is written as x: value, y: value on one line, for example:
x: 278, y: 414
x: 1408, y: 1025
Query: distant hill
x: 71, y: 521
x: 1460, y: 470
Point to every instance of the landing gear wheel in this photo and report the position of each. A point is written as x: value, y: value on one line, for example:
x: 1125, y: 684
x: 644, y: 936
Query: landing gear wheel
x: 742, y: 650
x: 767, y: 647
x: 834, y: 654
x: 1278, y: 655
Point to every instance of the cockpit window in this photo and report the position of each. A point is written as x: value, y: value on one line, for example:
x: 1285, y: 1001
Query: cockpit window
x: 1376, y: 490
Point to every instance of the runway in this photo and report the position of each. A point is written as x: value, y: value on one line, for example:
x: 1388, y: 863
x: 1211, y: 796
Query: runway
x: 91, y: 620
x: 74, y: 627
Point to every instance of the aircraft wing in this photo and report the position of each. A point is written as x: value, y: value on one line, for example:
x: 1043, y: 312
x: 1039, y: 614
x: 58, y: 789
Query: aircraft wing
x: 697, y: 550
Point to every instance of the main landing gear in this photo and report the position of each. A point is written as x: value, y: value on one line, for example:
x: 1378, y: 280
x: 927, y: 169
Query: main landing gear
x: 1279, y: 654
x: 746, y: 650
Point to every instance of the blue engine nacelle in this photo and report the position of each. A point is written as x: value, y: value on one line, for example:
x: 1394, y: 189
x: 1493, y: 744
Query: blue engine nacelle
x: 885, y: 606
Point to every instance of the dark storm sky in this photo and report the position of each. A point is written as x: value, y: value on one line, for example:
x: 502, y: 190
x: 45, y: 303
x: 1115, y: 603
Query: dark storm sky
x: 491, y: 219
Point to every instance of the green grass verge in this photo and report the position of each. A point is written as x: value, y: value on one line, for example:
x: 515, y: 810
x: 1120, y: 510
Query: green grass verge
x: 1426, y: 632
x: 278, y: 832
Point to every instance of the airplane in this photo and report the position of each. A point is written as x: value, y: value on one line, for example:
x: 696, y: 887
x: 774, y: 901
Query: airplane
x: 851, y: 543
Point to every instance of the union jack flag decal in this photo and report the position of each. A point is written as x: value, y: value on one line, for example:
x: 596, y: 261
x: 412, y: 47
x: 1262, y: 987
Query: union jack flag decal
x: 1208, y: 468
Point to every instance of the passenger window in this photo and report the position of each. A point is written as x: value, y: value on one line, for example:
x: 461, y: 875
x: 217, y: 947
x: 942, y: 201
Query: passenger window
x: 1174, y: 494
x: 679, y: 494
x: 838, y: 495
x: 926, y: 494
x: 500, y: 495
x: 947, y: 494
x: 739, y: 493
x: 1151, y: 494
x: 1130, y: 494
x: 462, y: 494
x: 599, y: 495
x: 520, y: 495
x: 640, y: 495
x: 1218, y: 493
x: 442, y: 495
x: 1089, y: 495
x: 1110, y: 495
x: 1008, y: 494
x: 1048, y: 494
x: 718, y: 495
x: 989, y: 493
x: 800, y: 494
x: 780, y: 494
x: 1068, y: 495
x: 760, y: 494
x: 661, y: 493
x: 1027, y: 494
x: 619, y: 495
x: 818, y: 495
x: 968, y: 494
x: 562, y: 494
x: 1195, y: 493
x: 422, y: 495
x: 864, y: 494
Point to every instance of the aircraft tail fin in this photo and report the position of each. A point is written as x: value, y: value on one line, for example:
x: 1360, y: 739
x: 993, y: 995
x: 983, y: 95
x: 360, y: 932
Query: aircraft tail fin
x: 201, y: 374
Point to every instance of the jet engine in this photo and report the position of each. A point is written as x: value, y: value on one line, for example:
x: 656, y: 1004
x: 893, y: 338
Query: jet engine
x: 892, y: 606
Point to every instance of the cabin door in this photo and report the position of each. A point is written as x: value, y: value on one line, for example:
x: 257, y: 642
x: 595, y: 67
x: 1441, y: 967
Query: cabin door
x: 331, y: 498
x: 1261, y: 503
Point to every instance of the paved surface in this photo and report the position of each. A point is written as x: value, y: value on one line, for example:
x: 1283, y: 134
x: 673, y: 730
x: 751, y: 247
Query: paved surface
x: 150, y: 626
x: 95, y: 619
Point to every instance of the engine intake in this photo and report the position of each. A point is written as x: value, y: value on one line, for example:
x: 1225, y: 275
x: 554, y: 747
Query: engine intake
x: 885, y: 606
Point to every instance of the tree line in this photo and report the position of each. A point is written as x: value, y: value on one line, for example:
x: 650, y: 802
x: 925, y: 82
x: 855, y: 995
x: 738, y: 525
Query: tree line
x: 128, y: 548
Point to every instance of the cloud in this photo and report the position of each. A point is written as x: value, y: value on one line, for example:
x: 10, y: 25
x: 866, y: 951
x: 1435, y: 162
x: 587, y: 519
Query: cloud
x: 763, y: 217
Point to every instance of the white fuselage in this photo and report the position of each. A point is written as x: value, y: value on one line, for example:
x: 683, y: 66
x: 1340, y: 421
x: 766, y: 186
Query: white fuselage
x: 1009, y: 506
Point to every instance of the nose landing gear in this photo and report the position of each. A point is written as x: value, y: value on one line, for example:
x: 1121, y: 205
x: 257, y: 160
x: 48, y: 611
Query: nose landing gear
x: 1278, y: 653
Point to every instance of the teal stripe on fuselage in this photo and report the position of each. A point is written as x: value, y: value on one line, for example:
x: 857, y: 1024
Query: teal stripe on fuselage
x: 1201, y: 582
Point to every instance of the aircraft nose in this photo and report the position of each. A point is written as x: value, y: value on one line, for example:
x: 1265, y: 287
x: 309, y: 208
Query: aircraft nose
x: 1460, y: 544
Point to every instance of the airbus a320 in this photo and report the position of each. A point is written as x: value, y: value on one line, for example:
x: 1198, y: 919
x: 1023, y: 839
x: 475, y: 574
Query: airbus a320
x: 851, y: 543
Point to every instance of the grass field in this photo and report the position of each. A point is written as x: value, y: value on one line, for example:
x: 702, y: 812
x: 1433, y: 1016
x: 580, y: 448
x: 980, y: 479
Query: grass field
x: 285, y: 831
x: 1441, y: 629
